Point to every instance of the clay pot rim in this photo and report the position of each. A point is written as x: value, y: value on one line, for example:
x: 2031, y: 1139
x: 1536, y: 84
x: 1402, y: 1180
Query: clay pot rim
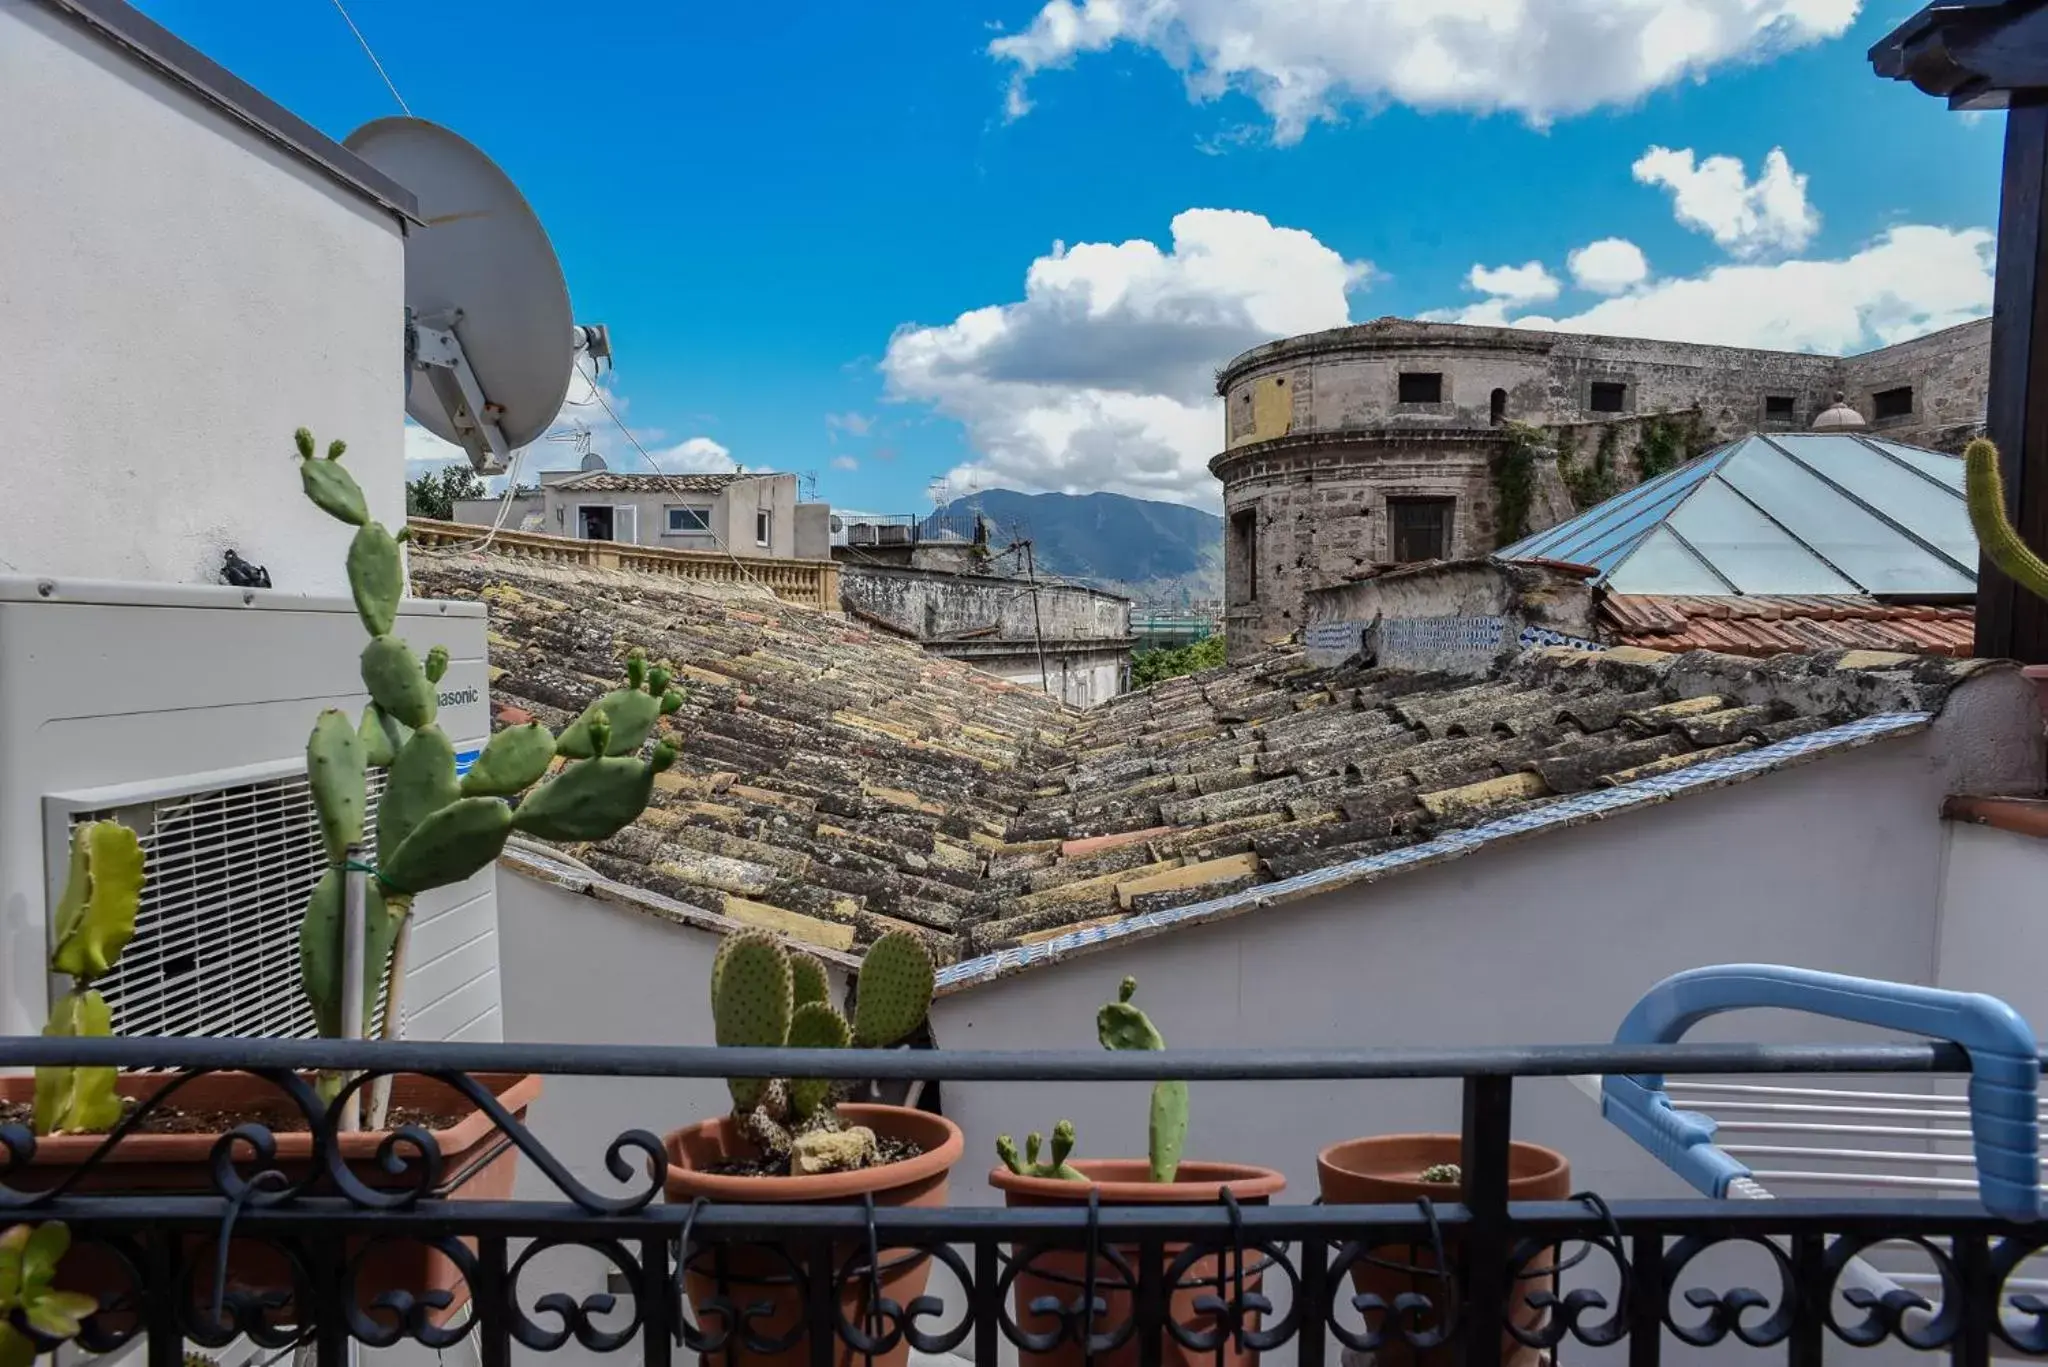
x: 514, y: 1091
x: 687, y: 1182
x: 1332, y: 1160
x: 1246, y: 1181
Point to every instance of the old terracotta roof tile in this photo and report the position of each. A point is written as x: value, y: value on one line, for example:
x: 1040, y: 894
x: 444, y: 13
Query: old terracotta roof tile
x: 836, y: 784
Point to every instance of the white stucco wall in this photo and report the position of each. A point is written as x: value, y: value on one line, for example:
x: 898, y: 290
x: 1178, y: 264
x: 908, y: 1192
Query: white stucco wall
x: 1991, y: 931
x: 176, y: 296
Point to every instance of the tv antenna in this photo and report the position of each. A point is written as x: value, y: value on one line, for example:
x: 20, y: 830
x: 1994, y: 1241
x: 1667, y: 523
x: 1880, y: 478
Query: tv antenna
x: 487, y: 321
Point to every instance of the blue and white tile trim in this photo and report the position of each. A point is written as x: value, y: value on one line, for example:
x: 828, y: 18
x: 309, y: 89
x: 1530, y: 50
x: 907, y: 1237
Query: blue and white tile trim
x: 1544, y: 636
x: 1575, y: 810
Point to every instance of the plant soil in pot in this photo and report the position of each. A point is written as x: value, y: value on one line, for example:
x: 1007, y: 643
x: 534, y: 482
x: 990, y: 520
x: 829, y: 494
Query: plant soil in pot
x: 754, y: 1275
x: 1061, y: 1273
x: 793, y: 1140
x: 1388, y: 1170
x: 172, y: 1153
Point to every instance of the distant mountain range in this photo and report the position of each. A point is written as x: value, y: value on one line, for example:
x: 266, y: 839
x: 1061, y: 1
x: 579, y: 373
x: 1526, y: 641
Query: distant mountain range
x: 1161, y: 554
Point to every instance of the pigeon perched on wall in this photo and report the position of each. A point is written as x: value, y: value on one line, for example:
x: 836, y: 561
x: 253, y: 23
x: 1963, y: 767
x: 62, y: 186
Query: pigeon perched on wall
x: 240, y: 574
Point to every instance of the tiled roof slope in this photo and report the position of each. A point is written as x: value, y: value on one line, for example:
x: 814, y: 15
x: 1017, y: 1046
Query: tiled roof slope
x: 1769, y: 625
x: 836, y: 784
x: 610, y: 482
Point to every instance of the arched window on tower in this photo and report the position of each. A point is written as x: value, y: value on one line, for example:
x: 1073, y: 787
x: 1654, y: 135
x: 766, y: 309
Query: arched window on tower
x: 1497, y: 411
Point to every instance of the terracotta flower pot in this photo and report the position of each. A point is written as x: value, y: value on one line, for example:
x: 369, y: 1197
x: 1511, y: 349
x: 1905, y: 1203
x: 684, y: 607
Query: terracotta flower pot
x: 1387, y: 1170
x: 1061, y: 1273
x: 752, y: 1276
x: 479, y: 1163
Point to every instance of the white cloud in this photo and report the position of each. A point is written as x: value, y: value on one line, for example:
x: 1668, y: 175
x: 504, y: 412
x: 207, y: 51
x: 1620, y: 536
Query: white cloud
x: 1529, y: 283
x: 845, y: 463
x: 1609, y: 266
x: 853, y: 424
x: 560, y: 448
x: 1103, y: 375
x: 1303, y: 59
x: 1715, y: 196
x: 1911, y: 280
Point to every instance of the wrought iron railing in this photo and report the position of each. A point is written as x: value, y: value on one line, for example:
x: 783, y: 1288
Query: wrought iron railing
x: 1504, y: 1276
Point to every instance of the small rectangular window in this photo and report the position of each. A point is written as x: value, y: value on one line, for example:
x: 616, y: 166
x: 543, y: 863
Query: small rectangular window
x: 1421, y: 528
x: 1244, y: 531
x: 763, y: 525
x: 1608, y: 396
x: 1780, y: 408
x: 1892, y: 403
x: 1422, y: 386
x: 681, y: 520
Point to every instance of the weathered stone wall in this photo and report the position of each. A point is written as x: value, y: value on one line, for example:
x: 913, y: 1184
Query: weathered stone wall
x: 1317, y: 437
x: 1455, y: 616
x: 1301, y: 514
x: 1950, y: 374
x: 936, y: 606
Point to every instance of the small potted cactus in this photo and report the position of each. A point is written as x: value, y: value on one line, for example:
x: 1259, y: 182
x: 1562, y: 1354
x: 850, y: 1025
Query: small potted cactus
x: 433, y: 829
x: 1399, y: 1170
x: 803, y: 1140
x: 1162, y: 1178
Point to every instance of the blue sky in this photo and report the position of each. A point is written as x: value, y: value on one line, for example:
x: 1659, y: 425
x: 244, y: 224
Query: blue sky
x: 809, y: 226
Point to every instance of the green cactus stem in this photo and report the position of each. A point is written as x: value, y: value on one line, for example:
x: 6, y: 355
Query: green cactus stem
x: 335, y: 768
x: 95, y: 917
x: 77, y: 1100
x: 421, y: 782
x: 895, y: 991
x: 814, y: 1025
x: 449, y: 846
x: 376, y: 577
x: 1984, y: 490
x: 1029, y: 1166
x: 320, y: 946
x: 592, y: 800
x: 631, y: 713
x: 513, y: 760
x: 333, y: 490
x: 29, y: 1257
x: 751, y: 1003
x: 396, y: 682
x: 1120, y: 1025
x: 807, y: 977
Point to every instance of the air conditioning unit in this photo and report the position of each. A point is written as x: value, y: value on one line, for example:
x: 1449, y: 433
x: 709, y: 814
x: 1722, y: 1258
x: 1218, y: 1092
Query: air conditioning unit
x: 182, y: 711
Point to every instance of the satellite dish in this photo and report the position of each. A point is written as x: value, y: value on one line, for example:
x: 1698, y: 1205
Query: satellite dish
x: 487, y: 313
x: 593, y: 463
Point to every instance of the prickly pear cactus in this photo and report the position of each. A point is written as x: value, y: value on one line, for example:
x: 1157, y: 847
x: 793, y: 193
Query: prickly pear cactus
x: 1120, y: 1025
x: 895, y: 990
x: 1029, y: 1166
x: 93, y: 923
x: 434, y: 829
x: 764, y: 996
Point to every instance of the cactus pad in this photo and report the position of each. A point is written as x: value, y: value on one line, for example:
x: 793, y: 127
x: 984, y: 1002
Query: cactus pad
x: 448, y: 846
x: 334, y: 768
x: 1121, y: 1025
x: 320, y: 952
x: 376, y: 577
x: 95, y: 916
x: 1029, y: 1166
x: 751, y: 1003
x: 422, y: 782
x: 514, y: 760
x: 333, y: 489
x: 392, y: 674
x: 77, y: 1100
x: 808, y: 980
x: 895, y: 990
x: 593, y: 800
x: 375, y: 732
x: 814, y: 1025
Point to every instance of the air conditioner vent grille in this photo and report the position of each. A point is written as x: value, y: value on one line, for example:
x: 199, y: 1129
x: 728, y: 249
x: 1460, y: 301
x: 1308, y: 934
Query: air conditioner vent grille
x: 227, y: 873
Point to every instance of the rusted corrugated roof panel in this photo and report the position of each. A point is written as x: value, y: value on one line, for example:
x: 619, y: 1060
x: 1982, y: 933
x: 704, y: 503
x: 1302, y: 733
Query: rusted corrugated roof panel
x: 1771, y: 625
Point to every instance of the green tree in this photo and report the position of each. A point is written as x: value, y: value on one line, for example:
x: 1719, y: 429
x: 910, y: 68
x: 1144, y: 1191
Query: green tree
x: 1150, y: 666
x: 434, y: 493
